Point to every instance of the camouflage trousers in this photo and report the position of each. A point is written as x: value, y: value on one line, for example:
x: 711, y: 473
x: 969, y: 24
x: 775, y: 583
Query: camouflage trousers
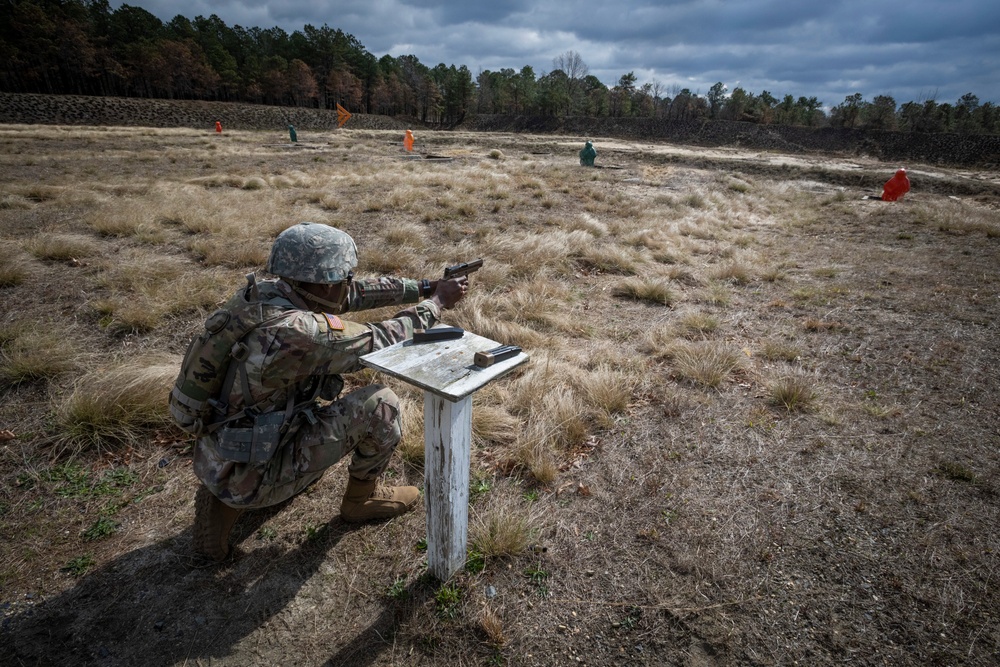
x: 364, y: 423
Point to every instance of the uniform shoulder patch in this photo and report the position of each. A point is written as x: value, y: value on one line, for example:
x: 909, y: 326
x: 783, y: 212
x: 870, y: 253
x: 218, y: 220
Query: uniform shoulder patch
x: 335, y: 322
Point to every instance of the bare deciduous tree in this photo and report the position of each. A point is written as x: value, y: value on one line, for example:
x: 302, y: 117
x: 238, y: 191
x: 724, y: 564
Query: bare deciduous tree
x: 572, y: 65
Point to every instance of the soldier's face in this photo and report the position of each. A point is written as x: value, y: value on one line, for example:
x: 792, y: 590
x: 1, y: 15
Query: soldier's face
x: 337, y: 293
x: 331, y: 294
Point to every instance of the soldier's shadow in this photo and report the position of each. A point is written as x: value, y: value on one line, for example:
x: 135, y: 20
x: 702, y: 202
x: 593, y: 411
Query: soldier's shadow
x: 162, y: 605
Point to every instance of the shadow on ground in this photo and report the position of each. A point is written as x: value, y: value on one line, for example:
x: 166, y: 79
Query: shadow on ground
x: 161, y: 605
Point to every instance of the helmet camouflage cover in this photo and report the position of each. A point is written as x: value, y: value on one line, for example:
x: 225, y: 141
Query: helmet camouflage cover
x: 313, y: 253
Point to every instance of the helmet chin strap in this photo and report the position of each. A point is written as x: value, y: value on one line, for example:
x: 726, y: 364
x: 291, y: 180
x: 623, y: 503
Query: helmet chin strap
x: 328, y: 306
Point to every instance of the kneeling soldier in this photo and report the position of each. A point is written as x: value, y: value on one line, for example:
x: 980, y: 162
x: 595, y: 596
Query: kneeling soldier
x: 251, y: 384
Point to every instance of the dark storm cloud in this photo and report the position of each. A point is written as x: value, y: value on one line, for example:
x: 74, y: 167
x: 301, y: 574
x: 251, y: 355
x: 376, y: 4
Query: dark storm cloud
x: 829, y: 50
x: 456, y: 13
x: 685, y: 22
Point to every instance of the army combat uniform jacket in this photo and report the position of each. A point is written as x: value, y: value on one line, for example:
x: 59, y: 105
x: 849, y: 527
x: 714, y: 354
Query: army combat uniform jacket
x: 293, y: 357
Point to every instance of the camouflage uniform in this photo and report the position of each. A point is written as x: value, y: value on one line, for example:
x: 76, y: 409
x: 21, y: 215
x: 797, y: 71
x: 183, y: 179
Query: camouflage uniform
x: 295, y: 357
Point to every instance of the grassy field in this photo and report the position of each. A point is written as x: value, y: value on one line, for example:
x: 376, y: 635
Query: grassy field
x: 759, y: 425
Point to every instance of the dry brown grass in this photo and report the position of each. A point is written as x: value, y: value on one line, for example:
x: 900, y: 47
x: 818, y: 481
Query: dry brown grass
x: 144, y: 289
x: 696, y: 324
x: 14, y: 272
x: 236, y: 253
x: 735, y: 272
x: 493, y: 425
x: 818, y: 356
x: 608, y: 389
x: 14, y: 201
x: 653, y: 290
x: 109, y: 407
x: 609, y: 259
x: 504, y: 528
x: 780, y: 350
x: 128, y: 217
x: 61, y: 247
x: 533, y: 453
x: 30, y: 353
x: 792, y: 392
x: 411, y: 446
x: 489, y: 621
x: 705, y: 363
x: 565, y: 418
x: 716, y: 294
x: 476, y: 315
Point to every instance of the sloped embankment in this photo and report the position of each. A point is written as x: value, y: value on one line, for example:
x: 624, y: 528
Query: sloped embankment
x: 134, y: 112
x: 903, y: 147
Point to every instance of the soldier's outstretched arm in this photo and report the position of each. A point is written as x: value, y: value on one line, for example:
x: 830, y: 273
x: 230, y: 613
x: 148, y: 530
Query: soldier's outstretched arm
x: 368, y: 293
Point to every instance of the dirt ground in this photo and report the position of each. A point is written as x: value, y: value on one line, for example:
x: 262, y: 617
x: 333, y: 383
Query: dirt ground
x: 701, y: 526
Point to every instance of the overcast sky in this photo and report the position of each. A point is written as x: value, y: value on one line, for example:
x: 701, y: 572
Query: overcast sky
x: 912, y: 50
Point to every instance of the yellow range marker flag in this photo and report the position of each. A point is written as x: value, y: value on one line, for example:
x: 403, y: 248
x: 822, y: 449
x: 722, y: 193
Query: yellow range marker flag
x: 343, y: 115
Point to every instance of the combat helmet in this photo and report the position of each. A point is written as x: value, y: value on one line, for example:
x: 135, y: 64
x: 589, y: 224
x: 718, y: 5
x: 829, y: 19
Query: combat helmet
x: 313, y: 253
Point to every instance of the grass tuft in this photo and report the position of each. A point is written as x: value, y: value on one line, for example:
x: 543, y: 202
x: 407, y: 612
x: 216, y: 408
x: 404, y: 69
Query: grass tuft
x: 492, y: 424
x: 609, y: 390
x: 492, y: 626
x: 411, y: 446
x: 142, y: 299
x: 34, y: 353
x: 609, y: 258
x: 533, y: 453
x: 716, y: 294
x: 60, y: 247
x: 955, y: 471
x: 777, y: 350
x: 695, y: 324
x: 235, y: 253
x: 705, y: 363
x: 504, y: 528
x: 795, y: 393
x: 109, y: 407
x: 13, y: 273
x: 388, y: 261
x: 653, y: 290
x: 14, y: 202
x: 734, y: 272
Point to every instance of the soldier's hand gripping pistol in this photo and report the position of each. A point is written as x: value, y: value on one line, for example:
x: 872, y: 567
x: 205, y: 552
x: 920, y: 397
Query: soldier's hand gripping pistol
x: 455, y: 290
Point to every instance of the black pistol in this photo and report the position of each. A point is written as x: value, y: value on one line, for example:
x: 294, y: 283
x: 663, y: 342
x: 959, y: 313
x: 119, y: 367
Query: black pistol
x: 463, y: 269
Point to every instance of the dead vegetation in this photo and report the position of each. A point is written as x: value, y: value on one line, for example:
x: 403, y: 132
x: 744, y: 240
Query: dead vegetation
x: 758, y: 426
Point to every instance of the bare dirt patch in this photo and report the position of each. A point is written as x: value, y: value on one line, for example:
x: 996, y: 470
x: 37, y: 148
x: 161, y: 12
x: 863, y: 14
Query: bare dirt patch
x: 699, y: 521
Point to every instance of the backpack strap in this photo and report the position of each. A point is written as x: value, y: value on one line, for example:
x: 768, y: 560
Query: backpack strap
x: 239, y: 353
x: 237, y: 365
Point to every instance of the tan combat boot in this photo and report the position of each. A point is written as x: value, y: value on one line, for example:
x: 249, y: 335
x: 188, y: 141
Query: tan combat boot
x: 213, y: 521
x: 368, y: 500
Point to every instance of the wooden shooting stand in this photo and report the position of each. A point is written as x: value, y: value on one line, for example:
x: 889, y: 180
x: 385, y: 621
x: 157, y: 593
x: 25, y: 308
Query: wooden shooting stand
x: 448, y: 376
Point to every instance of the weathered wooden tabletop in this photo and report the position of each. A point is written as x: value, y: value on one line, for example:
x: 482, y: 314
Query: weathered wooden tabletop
x: 445, y: 368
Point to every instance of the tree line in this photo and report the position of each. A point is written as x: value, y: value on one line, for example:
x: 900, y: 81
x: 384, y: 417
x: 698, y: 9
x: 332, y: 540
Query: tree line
x: 84, y: 47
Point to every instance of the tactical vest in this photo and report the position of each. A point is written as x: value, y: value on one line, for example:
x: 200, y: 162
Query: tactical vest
x: 198, y: 399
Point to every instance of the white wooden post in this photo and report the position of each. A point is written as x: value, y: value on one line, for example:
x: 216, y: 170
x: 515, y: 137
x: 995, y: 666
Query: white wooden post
x: 447, y: 458
x: 446, y: 371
